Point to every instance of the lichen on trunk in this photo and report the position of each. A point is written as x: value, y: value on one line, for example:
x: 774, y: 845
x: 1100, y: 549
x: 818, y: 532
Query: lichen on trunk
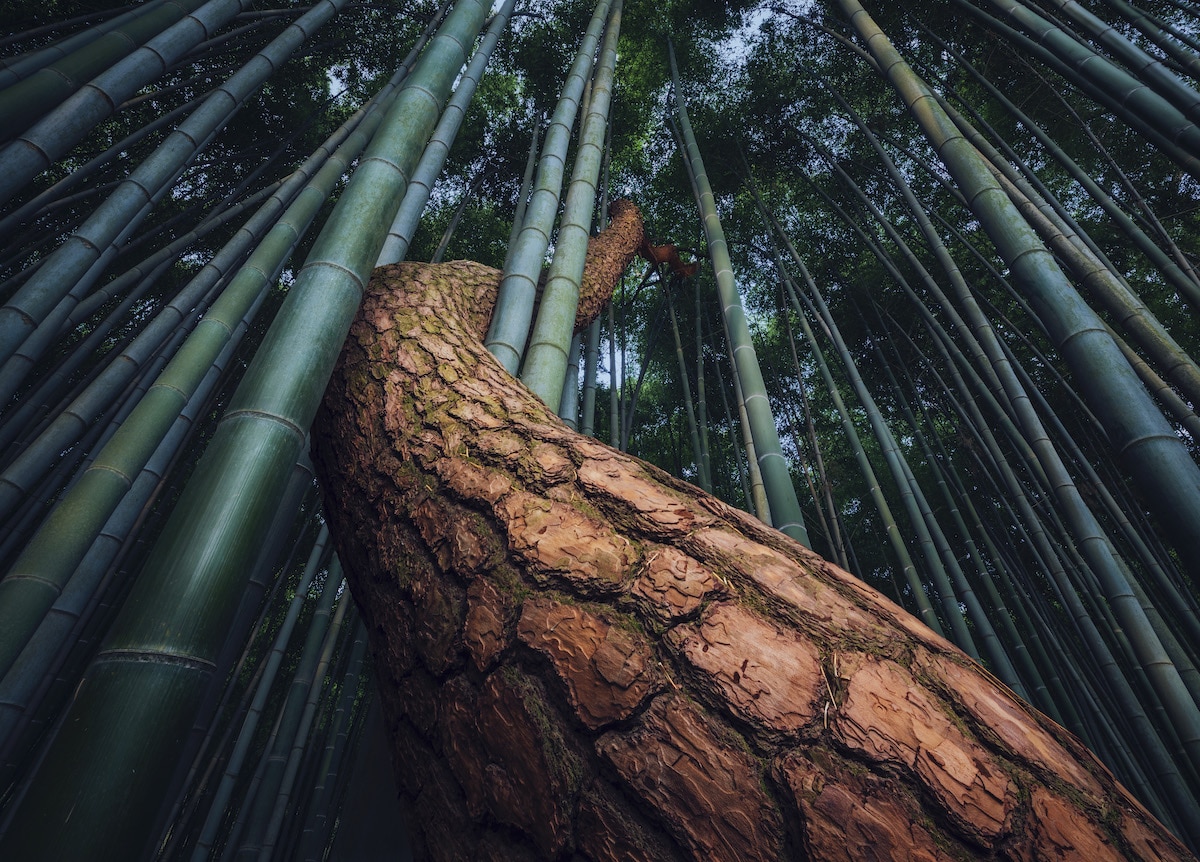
x: 582, y: 657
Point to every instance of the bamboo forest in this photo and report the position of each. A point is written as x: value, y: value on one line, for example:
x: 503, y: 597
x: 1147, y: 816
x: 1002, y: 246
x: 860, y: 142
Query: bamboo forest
x: 599, y: 429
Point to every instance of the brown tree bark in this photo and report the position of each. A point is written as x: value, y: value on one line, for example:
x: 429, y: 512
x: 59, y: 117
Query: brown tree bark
x: 581, y: 657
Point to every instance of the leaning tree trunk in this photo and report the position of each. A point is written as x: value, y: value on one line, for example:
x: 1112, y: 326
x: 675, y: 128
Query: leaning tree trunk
x: 582, y: 657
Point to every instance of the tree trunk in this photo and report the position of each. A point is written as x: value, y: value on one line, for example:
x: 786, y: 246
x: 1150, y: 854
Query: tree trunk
x: 581, y: 657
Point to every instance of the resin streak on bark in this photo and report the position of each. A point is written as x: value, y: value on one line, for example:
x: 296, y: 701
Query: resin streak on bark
x: 581, y: 657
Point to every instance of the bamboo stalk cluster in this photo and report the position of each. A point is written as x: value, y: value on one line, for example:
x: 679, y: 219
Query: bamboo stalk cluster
x: 986, y: 401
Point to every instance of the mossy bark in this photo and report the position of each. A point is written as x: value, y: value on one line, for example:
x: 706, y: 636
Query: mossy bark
x: 581, y: 657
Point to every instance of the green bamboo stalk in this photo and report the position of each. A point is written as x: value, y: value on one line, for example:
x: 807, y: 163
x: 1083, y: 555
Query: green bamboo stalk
x: 271, y: 664
x: 420, y: 186
x: 531, y: 163
x: 568, y: 403
x: 22, y: 422
x: 549, y: 340
x: 46, y: 563
x: 1160, y: 33
x: 924, y: 608
x: 994, y: 648
x: 732, y: 427
x: 509, y: 329
x: 1164, y: 765
x: 84, y: 582
x: 631, y: 401
x: 781, y: 494
x: 685, y: 386
x: 63, y: 127
x: 1174, y: 272
x: 16, y: 68
x: 67, y: 275
x: 940, y: 563
x: 614, y: 384
x: 591, y: 361
x: 1179, y: 409
x: 242, y: 649
x: 1144, y: 67
x: 830, y: 523
x: 1178, y: 601
x: 1118, y: 297
x: 1126, y: 308
x: 448, y: 234
x: 300, y: 708
x: 34, y: 208
x: 1029, y: 680
x: 1136, y: 104
x: 23, y: 102
x: 319, y: 821
x: 1155, y: 455
x: 592, y: 345
x: 114, y: 728
x: 757, y: 492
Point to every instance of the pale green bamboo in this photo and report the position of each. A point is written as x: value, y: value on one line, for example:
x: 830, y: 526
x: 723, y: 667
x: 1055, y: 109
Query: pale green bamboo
x: 1155, y: 455
x: 545, y: 359
x: 22, y: 423
x: 85, y: 580
x: 1064, y: 583
x: 743, y: 477
x: 823, y: 499
x: 62, y: 128
x: 319, y: 820
x: 23, y: 102
x: 1174, y: 272
x: 614, y: 383
x: 416, y: 196
x: 591, y: 360
x: 271, y: 665
x: 1084, y: 258
x: 258, y: 608
x: 781, y: 493
x: 1159, y: 32
x: 1133, y: 102
x: 910, y: 495
x: 1143, y: 66
x: 686, y: 391
x: 452, y: 226
x: 522, y: 197
x: 758, y: 491
x: 568, y: 402
x: 46, y: 563
x: 924, y: 608
x: 18, y: 67
x: 299, y: 710
x: 1126, y: 308
x: 509, y: 329
x: 592, y: 345
x: 18, y: 217
x: 69, y: 272
x: 1029, y: 674
x: 183, y: 600
x: 701, y: 400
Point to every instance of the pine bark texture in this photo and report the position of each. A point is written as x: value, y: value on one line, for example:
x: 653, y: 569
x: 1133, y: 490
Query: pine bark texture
x: 581, y: 657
